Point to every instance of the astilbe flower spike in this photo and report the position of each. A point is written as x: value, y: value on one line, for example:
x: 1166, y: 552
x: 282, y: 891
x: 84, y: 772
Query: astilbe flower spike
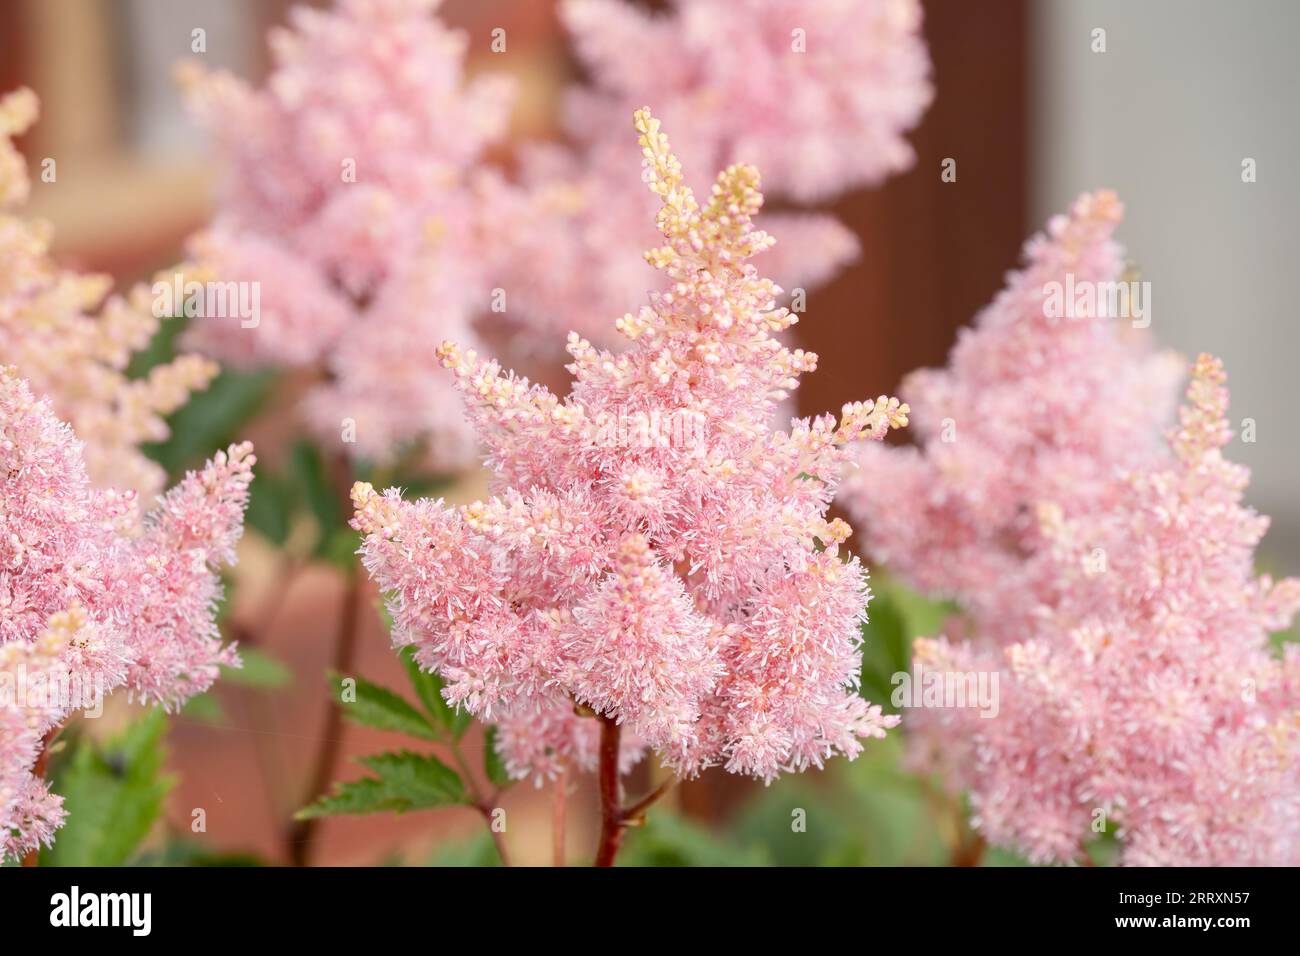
x: 1028, y: 409
x: 94, y: 596
x: 653, y: 552
x: 752, y: 81
x: 1104, y: 579
x: 360, y: 199
x: 351, y: 198
x: 78, y: 359
x: 763, y: 81
x: 1148, y: 694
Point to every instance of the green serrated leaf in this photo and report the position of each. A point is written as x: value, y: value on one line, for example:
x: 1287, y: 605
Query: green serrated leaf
x: 493, y: 765
x: 379, y: 707
x: 404, y: 782
x: 112, y: 795
x: 259, y: 669
x: 428, y: 688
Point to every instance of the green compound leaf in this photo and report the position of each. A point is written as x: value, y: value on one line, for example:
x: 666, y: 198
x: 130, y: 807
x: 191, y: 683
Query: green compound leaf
x: 404, y: 781
x: 382, y: 709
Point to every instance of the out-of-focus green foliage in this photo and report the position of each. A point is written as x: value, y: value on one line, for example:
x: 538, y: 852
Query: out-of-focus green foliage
x: 259, y: 670
x: 493, y: 765
x: 113, y: 795
x: 477, y: 851
x: 178, y: 852
x: 211, y: 420
x: 667, y: 839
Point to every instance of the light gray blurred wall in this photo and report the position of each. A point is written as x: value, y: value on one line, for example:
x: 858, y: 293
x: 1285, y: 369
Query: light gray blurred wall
x: 1185, y: 90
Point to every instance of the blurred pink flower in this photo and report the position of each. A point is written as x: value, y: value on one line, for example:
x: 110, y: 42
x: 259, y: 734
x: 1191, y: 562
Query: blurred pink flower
x: 367, y: 140
x: 753, y: 81
x: 654, y: 552
x: 361, y: 145
x: 1147, y: 698
x: 1029, y: 409
x: 763, y: 82
x: 1106, y: 583
x: 95, y: 596
x: 73, y: 345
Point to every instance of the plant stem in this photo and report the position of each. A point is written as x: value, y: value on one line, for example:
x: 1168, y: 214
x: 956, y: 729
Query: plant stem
x: 970, y: 852
x: 302, y: 833
x: 497, y: 838
x: 633, y: 814
x: 612, y: 825
x: 558, y: 809
x: 33, y: 856
x: 615, y: 818
x: 484, y: 805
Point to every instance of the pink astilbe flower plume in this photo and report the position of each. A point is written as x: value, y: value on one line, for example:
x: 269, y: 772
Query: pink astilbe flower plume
x: 50, y: 332
x: 763, y: 82
x: 1149, y: 692
x: 360, y: 199
x: 654, y: 552
x: 343, y: 173
x: 743, y: 81
x: 1029, y: 408
x: 93, y: 596
x: 1106, y: 582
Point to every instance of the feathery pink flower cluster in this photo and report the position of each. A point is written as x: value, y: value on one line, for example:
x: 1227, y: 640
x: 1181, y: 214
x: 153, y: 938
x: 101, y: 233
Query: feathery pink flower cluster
x: 423, y: 242
x: 1148, y: 696
x: 1106, y: 582
x: 93, y: 596
x: 351, y: 200
x: 763, y: 82
x: 654, y: 552
x: 1028, y: 409
x: 753, y: 81
x: 76, y: 358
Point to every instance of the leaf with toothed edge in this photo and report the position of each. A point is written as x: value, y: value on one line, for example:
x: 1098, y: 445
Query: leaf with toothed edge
x: 404, y: 782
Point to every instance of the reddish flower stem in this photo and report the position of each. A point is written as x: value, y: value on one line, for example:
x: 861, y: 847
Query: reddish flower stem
x: 302, y: 833
x: 486, y: 806
x: 612, y: 824
x: 33, y: 856
x: 614, y: 817
x: 632, y: 815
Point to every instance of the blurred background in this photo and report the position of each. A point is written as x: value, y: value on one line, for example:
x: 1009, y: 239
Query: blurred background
x: 1184, y: 92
